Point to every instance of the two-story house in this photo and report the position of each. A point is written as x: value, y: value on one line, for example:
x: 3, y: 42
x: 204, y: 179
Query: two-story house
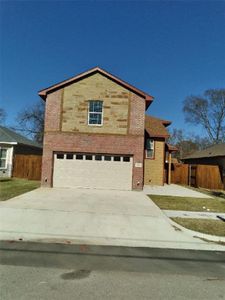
x: 97, y: 134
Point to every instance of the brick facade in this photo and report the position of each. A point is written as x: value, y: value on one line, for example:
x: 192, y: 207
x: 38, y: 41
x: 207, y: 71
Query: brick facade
x: 96, y: 87
x: 112, y: 139
x: 154, y: 168
x: 53, y: 111
x: 105, y: 144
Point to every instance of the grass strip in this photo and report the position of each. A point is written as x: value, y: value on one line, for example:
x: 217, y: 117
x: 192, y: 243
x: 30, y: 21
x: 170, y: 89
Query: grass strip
x: 189, y: 203
x: 213, y: 227
x: 10, y: 188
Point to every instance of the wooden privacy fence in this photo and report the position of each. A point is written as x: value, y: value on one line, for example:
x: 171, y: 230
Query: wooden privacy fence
x: 179, y: 174
x: 27, y: 166
x: 205, y: 176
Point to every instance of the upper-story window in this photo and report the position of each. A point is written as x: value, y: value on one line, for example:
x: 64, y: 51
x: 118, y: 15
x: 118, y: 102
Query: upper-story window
x: 150, y: 148
x: 3, y: 155
x: 95, y: 112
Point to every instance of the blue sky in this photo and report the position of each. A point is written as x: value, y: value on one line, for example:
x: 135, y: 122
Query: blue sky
x: 166, y: 48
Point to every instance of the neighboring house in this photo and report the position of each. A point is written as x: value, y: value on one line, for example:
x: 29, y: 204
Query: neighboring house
x: 97, y: 134
x: 213, y: 155
x: 12, y: 143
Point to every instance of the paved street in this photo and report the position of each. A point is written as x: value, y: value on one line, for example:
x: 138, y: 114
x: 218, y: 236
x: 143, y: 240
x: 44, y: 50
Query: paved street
x: 99, y: 277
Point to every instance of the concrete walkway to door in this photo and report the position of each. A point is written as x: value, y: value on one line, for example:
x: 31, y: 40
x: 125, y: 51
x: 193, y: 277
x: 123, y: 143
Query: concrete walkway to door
x: 173, y: 190
x: 89, y: 216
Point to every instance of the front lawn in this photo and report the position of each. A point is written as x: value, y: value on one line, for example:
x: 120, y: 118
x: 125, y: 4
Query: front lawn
x: 213, y: 227
x: 10, y: 188
x: 188, y: 203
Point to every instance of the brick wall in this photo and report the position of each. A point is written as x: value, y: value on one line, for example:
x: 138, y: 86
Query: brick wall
x: 96, y: 87
x: 105, y: 144
x: 115, y: 136
x: 53, y: 111
x: 154, y: 168
x: 137, y: 115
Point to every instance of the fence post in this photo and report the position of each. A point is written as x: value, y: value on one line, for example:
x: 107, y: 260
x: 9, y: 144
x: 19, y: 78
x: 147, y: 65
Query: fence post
x: 189, y: 175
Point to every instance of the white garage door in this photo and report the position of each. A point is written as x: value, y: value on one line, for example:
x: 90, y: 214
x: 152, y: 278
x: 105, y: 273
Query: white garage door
x: 92, y: 171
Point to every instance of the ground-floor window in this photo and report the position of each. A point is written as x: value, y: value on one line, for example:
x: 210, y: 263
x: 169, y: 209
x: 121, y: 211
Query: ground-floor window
x: 150, y: 148
x: 3, y: 156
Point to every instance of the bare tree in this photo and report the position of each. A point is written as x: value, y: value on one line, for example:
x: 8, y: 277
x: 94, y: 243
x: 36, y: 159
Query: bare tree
x: 2, y: 115
x: 209, y: 112
x: 187, y: 143
x: 183, y: 142
x: 30, y: 122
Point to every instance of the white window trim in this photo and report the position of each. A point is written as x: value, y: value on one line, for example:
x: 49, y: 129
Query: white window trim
x: 99, y: 125
x: 6, y: 158
x: 153, y: 149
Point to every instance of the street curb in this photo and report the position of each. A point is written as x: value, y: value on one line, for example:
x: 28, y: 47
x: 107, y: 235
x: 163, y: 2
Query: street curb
x: 197, y: 234
x: 24, y: 248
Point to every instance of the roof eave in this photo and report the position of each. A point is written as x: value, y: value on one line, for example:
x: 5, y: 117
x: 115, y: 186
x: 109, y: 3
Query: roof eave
x: 8, y: 143
x: 171, y: 148
x: 200, y: 157
x: 30, y: 145
x: 166, y: 123
x: 43, y: 93
x: 158, y: 135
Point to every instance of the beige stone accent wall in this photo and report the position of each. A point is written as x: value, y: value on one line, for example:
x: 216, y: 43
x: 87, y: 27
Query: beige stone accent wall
x: 96, y: 87
x: 154, y: 168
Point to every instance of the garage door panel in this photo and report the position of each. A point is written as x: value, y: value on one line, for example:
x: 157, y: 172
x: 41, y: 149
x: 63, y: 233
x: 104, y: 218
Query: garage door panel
x: 92, y: 173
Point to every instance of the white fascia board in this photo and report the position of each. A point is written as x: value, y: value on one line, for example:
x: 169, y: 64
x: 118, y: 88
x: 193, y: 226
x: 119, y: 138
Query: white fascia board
x: 9, y: 143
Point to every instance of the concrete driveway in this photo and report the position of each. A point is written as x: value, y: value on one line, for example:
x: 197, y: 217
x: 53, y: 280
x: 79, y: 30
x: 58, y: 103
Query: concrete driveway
x: 89, y: 216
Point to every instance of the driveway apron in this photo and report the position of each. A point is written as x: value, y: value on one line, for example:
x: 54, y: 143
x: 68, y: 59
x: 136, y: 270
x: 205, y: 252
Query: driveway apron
x: 91, y: 216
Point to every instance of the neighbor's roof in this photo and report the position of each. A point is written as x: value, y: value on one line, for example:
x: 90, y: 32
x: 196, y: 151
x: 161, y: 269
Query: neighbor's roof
x: 43, y: 93
x: 9, y: 136
x: 212, y: 151
x: 156, y: 127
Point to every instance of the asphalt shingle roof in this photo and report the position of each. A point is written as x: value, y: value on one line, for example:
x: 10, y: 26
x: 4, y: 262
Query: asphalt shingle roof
x: 156, y: 127
x: 9, y: 136
x: 212, y: 151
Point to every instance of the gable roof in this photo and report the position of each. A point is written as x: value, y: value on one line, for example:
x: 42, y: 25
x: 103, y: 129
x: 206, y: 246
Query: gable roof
x: 156, y: 127
x: 9, y: 136
x: 212, y: 151
x: 43, y: 93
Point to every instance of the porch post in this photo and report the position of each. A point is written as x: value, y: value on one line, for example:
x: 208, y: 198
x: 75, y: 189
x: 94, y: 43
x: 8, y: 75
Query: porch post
x: 169, y: 169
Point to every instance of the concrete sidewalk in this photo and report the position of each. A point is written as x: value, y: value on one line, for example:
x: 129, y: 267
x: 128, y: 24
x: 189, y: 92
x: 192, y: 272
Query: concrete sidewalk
x: 193, y: 214
x: 93, y: 217
x: 173, y: 190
